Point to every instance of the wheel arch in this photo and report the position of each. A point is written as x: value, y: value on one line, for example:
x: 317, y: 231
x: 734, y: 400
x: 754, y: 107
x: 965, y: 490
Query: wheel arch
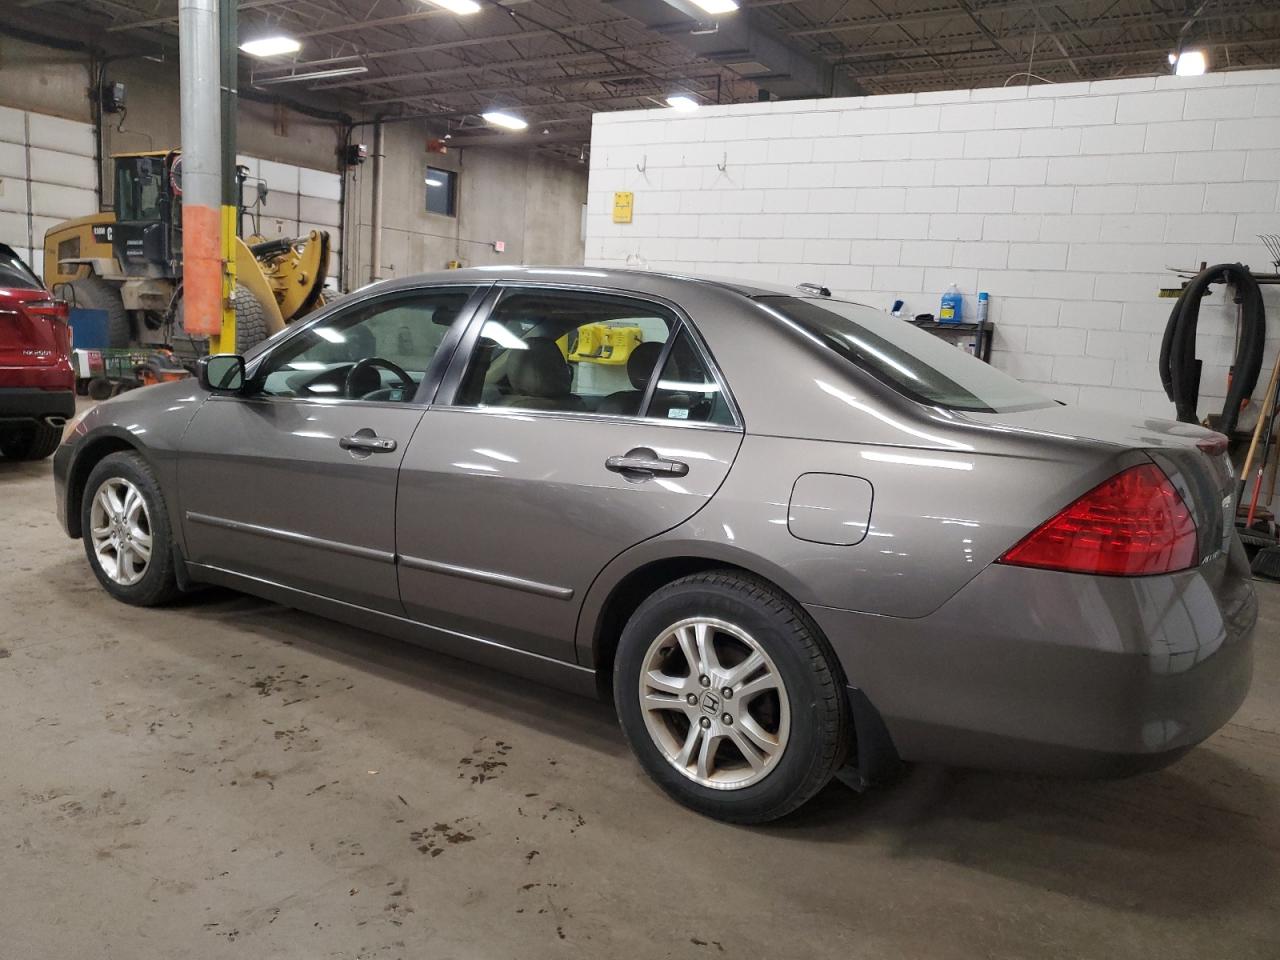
x: 92, y: 452
x: 631, y: 577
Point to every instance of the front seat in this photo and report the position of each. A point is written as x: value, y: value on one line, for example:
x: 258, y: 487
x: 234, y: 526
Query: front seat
x: 540, y: 378
x: 640, y: 368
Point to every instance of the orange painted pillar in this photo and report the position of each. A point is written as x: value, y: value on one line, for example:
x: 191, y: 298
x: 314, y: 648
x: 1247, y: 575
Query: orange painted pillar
x: 202, y: 269
x: 199, y: 74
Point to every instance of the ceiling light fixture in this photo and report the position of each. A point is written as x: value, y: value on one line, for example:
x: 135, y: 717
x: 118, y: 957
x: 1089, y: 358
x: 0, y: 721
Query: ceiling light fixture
x: 315, y: 75
x: 276, y: 46
x: 504, y: 120
x: 463, y: 8
x: 433, y: 182
x: 1190, y: 63
x: 683, y: 103
x: 717, y: 6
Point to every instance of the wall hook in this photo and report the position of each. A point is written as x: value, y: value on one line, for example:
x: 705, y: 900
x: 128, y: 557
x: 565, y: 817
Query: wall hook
x: 723, y: 163
x: 643, y: 164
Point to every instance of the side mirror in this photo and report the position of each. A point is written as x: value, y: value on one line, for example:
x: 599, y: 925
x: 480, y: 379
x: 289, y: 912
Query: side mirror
x: 221, y: 373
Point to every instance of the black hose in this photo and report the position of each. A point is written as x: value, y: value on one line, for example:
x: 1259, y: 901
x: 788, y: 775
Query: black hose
x: 1179, y: 367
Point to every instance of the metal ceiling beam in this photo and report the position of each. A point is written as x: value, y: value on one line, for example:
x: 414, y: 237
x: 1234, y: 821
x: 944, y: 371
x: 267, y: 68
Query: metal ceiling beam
x: 162, y: 21
x: 1109, y: 25
x: 487, y: 40
x: 994, y: 68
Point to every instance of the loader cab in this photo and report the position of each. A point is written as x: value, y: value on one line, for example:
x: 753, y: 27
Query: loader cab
x: 146, y: 238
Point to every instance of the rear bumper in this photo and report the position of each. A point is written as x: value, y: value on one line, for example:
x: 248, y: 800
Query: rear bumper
x: 1063, y: 674
x: 29, y: 404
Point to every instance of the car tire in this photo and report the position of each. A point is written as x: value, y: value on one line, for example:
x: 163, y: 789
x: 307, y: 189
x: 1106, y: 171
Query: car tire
x: 115, y: 557
x: 791, y: 702
x: 94, y: 293
x: 33, y: 442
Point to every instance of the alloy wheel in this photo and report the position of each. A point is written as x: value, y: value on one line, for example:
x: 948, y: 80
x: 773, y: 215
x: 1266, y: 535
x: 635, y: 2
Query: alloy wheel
x: 120, y: 528
x: 714, y: 703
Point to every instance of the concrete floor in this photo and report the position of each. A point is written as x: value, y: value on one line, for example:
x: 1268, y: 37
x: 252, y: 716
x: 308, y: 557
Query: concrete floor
x: 228, y: 778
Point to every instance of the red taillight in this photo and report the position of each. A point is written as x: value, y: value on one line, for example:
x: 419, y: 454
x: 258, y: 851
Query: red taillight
x: 1134, y: 524
x: 54, y: 309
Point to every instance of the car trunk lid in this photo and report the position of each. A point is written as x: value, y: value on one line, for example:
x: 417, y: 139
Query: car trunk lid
x: 1194, y: 459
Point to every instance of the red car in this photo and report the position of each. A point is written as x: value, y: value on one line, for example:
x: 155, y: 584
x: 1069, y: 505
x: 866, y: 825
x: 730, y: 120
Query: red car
x: 37, y: 383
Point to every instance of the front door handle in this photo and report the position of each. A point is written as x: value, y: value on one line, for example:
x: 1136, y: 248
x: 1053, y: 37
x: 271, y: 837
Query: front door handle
x: 367, y: 442
x: 642, y: 462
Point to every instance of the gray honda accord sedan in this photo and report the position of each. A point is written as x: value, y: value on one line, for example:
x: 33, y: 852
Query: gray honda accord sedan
x: 792, y: 537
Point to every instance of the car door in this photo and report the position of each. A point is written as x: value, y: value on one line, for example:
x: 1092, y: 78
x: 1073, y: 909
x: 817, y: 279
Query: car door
x: 571, y: 426
x: 293, y: 480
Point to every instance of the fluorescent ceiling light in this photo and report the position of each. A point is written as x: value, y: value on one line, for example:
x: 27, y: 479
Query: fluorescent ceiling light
x: 680, y: 102
x: 333, y: 336
x: 462, y: 8
x: 271, y: 46
x: 717, y: 6
x: 315, y: 75
x: 505, y: 120
x: 1191, y: 63
x: 432, y: 182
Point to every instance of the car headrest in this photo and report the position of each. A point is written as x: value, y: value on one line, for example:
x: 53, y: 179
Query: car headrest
x: 641, y: 363
x: 540, y: 370
x: 444, y: 315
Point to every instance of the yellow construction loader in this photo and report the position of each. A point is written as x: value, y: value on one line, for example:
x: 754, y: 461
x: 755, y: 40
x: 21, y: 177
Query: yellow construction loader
x: 128, y: 262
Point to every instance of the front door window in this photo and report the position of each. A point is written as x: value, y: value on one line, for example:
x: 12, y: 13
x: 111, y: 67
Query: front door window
x: 379, y: 351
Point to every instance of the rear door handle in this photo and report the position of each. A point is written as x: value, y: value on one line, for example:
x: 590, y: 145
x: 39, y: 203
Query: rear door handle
x: 367, y: 443
x: 642, y: 462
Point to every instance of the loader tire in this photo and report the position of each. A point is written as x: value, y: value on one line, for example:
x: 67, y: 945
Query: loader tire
x: 251, y: 320
x: 94, y: 293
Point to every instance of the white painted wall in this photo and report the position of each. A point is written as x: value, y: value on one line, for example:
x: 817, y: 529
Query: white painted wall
x: 1065, y: 202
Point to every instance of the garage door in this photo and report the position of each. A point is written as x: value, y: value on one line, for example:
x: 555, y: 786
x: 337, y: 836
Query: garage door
x: 46, y: 176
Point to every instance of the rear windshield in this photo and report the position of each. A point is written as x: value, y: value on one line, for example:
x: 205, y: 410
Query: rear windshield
x: 918, y: 364
x: 15, y: 273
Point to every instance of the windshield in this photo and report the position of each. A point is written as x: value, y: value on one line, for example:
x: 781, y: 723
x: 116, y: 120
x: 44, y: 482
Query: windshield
x: 915, y: 363
x: 139, y: 188
x: 14, y: 273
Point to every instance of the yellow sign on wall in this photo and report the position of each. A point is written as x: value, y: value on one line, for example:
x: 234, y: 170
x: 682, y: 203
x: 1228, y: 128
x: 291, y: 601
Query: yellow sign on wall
x: 623, y: 203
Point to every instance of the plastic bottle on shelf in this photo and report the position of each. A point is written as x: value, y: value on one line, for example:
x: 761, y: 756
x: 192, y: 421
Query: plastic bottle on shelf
x: 952, y: 307
x: 984, y: 304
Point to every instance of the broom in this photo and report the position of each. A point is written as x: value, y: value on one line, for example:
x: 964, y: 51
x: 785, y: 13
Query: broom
x: 1266, y: 562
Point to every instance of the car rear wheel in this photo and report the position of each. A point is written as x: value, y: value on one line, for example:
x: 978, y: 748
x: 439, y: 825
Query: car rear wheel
x: 34, y: 442
x: 730, y: 697
x: 127, y: 537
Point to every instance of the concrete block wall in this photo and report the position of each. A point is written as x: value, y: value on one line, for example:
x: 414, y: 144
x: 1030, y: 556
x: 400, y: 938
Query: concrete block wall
x: 1066, y: 202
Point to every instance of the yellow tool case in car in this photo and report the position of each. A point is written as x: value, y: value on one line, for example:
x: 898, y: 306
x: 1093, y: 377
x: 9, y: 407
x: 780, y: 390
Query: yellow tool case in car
x: 600, y: 343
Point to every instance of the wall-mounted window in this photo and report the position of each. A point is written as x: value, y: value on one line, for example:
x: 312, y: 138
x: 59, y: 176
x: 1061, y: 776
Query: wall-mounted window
x: 442, y: 192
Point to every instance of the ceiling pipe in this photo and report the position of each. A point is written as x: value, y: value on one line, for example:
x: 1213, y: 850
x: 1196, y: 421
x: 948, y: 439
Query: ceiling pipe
x: 375, y: 218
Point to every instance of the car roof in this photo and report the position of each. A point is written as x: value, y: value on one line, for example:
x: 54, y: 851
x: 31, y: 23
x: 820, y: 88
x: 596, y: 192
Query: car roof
x: 648, y: 281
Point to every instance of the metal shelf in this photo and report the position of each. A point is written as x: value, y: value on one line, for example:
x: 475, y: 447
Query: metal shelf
x: 984, y: 332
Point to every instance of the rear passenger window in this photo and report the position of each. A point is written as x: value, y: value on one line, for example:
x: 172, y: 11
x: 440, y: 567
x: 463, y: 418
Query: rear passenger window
x: 687, y: 390
x: 572, y: 352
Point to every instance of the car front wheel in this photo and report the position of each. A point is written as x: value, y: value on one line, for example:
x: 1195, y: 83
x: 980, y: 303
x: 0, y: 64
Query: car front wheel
x: 730, y: 697
x: 127, y: 536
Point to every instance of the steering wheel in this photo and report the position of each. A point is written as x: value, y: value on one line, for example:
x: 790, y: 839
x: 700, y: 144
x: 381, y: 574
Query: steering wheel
x: 352, y: 387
